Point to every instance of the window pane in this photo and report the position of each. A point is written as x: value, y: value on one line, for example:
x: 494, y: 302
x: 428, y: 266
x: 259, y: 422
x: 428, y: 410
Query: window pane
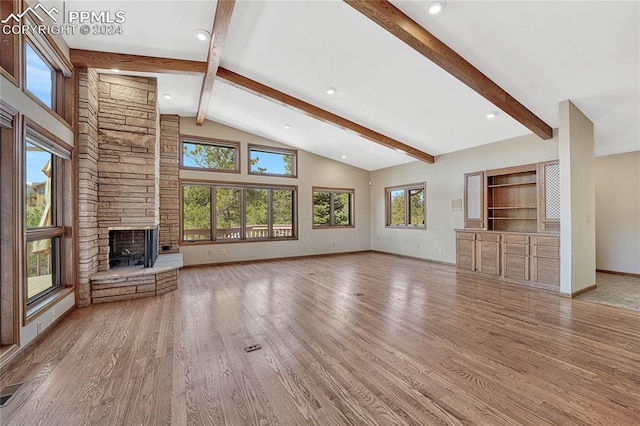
x: 257, y: 213
x: 42, y: 267
x: 196, y: 212
x: 208, y: 156
x: 39, y: 76
x: 274, y: 163
x: 228, y: 206
x: 321, y: 208
x: 282, y: 212
x: 416, y: 204
x: 39, y: 171
x: 397, y: 207
x: 342, y: 209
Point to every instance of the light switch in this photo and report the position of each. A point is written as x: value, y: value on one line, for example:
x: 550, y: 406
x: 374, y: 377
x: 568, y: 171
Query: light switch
x: 588, y: 218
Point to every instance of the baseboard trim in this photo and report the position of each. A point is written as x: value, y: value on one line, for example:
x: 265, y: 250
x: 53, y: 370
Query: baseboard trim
x: 579, y: 292
x: 624, y: 274
x: 23, y: 351
x: 423, y: 259
x: 273, y: 259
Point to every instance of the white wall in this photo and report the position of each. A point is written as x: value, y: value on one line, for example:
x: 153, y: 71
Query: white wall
x: 618, y: 212
x: 445, y: 182
x: 577, y: 200
x: 312, y: 171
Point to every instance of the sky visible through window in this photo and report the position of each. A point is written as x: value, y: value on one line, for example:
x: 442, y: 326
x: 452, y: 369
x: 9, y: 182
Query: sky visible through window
x: 39, y: 76
x: 273, y: 162
x: 36, y: 160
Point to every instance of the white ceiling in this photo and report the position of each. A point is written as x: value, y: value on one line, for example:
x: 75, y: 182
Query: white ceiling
x: 540, y: 52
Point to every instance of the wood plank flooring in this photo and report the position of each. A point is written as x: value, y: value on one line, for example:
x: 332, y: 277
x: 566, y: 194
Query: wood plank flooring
x: 421, y: 346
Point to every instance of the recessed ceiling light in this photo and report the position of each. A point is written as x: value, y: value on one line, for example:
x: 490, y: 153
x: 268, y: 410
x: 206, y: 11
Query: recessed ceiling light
x: 344, y: 157
x: 115, y: 70
x: 330, y: 90
x: 287, y: 126
x: 491, y: 114
x: 435, y: 7
x: 202, y: 35
x: 168, y: 96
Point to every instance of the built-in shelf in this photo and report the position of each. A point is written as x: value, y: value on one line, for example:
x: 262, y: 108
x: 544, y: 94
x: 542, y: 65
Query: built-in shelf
x: 502, y: 185
x: 511, y: 208
x: 513, y: 218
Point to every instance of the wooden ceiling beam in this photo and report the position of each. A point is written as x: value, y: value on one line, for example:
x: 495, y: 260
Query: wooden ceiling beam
x: 400, y: 25
x: 281, y: 98
x: 224, y: 10
x: 136, y: 63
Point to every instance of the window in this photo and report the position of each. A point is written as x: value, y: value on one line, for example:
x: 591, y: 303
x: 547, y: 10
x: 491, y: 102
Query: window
x: 405, y: 206
x: 42, y: 203
x: 332, y: 207
x: 38, y: 75
x: 264, y: 160
x: 238, y: 213
x: 210, y: 155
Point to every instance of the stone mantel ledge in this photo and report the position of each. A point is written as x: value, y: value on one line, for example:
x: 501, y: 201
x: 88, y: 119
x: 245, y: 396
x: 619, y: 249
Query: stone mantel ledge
x: 164, y: 263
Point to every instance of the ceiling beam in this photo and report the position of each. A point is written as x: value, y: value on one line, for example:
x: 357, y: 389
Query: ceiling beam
x: 400, y: 25
x: 107, y: 60
x: 224, y: 10
x: 271, y: 94
x: 137, y: 63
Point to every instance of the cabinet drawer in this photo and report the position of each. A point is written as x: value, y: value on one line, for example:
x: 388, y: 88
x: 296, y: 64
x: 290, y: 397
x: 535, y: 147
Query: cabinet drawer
x: 466, y: 236
x: 515, y: 249
x: 548, y: 252
x: 515, y: 239
x: 489, y: 237
x: 548, y: 241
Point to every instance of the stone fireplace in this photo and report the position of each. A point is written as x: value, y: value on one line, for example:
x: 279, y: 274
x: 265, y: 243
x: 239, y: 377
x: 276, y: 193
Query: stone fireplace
x: 119, y: 190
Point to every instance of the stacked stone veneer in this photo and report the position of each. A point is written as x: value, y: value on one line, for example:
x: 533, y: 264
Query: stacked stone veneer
x: 87, y: 182
x: 119, y: 179
x: 169, y: 190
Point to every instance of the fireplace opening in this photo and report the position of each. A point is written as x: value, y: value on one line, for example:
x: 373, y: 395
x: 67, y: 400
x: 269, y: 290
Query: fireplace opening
x: 133, y: 247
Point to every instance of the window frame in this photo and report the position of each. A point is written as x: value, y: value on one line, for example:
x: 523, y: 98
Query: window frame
x: 332, y: 191
x: 272, y: 150
x: 407, y: 205
x: 210, y: 142
x: 62, y: 169
x: 64, y: 78
x: 243, y: 186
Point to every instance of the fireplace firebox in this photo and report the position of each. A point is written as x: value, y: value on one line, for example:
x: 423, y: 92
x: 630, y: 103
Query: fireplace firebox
x: 131, y: 247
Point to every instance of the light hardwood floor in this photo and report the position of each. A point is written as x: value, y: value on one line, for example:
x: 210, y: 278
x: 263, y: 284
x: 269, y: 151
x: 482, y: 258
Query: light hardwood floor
x: 421, y: 346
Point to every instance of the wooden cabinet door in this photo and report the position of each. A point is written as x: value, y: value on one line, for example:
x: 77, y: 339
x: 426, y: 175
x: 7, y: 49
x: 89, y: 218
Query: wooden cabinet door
x: 465, y: 251
x: 474, y: 204
x: 549, y: 196
x: 488, y: 254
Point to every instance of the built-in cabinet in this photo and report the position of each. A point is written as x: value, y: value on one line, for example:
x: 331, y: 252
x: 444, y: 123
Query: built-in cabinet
x: 512, y: 220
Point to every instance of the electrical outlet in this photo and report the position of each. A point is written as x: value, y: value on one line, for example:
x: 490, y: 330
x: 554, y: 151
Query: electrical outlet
x: 439, y: 249
x: 38, y: 327
x: 333, y: 244
x: 53, y: 315
x: 589, y: 218
x: 210, y: 252
x: 417, y: 246
x: 223, y: 251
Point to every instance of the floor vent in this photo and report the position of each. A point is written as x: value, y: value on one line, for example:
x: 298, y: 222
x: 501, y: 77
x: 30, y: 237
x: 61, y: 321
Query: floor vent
x: 358, y: 294
x: 252, y: 348
x: 7, y: 392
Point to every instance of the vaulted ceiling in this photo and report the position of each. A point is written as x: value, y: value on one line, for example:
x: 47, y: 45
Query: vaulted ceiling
x: 539, y: 52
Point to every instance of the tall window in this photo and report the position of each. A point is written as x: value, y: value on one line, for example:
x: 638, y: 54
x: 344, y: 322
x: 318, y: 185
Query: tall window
x: 264, y: 160
x: 405, y: 206
x: 39, y: 76
x: 210, y: 155
x: 238, y: 212
x: 332, y: 207
x: 43, y: 228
